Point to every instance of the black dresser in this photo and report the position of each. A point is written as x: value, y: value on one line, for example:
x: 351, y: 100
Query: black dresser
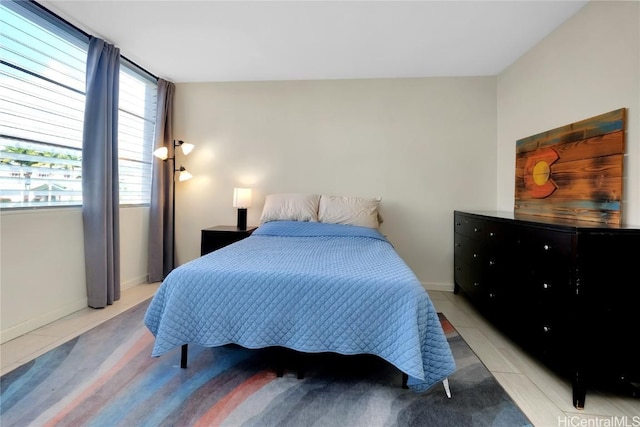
x: 566, y: 292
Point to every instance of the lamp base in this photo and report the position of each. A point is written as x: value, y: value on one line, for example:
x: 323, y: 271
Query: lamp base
x: 242, y: 218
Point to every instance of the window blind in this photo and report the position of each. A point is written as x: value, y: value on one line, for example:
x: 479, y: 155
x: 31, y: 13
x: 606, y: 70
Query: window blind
x: 136, y: 126
x: 42, y: 81
x: 42, y: 97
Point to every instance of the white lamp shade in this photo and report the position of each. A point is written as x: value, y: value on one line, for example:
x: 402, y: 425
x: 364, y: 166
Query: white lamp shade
x: 184, y: 175
x: 241, y: 197
x: 162, y: 153
x: 186, y: 147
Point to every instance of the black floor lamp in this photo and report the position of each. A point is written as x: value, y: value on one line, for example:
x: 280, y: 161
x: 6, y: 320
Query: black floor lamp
x: 163, y: 154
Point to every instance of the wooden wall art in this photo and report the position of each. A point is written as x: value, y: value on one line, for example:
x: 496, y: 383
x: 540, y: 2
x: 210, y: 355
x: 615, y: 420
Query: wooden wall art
x: 574, y: 171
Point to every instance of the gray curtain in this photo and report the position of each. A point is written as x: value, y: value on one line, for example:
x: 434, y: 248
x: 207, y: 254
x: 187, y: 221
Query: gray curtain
x: 100, y: 197
x: 161, y: 233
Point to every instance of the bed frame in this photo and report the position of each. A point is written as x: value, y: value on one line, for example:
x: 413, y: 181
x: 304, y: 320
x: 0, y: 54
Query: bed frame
x: 184, y: 354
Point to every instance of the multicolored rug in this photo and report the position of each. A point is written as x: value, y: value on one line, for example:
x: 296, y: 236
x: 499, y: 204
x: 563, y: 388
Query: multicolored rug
x: 106, y: 377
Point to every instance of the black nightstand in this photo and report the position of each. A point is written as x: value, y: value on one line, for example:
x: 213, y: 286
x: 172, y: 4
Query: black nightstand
x: 214, y: 238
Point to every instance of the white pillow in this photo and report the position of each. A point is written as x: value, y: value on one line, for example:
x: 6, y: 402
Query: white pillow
x: 350, y: 210
x: 290, y: 207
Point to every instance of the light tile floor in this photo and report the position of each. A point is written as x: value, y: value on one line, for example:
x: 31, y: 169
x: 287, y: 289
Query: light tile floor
x: 543, y: 396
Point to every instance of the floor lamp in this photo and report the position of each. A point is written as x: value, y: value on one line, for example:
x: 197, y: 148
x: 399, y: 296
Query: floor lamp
x: 163, y: 154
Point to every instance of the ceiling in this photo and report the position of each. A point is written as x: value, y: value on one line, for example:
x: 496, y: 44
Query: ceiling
x: 196, y: 41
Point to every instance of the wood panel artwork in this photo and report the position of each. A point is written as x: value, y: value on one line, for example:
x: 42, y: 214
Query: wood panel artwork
x: 574, y: 171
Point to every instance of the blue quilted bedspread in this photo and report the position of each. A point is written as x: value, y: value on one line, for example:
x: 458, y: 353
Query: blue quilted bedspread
x: 308, y: 286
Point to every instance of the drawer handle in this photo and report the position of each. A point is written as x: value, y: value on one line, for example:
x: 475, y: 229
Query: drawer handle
x: 475, y: 255
x: 476, y: 283
x: 492, y: 234
x: 546, y: 328
x: 476, y: 229
x: 458, y: 224
x: 492, y: 263
x: 492, y: 295
x: 547, y: 247
x: 546, y: 286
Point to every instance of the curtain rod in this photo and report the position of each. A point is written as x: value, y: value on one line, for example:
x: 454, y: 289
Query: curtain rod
x: 88, y: 35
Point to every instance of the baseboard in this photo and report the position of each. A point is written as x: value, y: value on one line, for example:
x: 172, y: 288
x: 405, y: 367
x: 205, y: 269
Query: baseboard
x: 42, y: 320
x: 134, y: 282
x: 46, y: 318
x: 443, y: 287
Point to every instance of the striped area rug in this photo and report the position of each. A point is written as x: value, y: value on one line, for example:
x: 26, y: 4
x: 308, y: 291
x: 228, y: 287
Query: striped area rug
x: 106, y: 377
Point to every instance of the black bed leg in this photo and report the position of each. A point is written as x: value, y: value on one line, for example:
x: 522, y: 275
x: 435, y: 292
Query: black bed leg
x: 405, y: 378
x: 183, y: 356
x: 579, y: 390
x: 280, y: 355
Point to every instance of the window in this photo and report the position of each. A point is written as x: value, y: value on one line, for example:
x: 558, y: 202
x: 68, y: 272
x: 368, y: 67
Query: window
x: 136, y: 125
x: 42, y: 79
x: 42, y: 97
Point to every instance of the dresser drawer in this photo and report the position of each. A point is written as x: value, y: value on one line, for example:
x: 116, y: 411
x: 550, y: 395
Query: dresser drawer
x: 544, y: 246
x: 471, y: 251
x: 486, y: 258
x: 542, y: 286
x: 482, y: 287
x: 468, y: 278
x: 489, y: 232
x: 469, y: 226
x: 547, y: 334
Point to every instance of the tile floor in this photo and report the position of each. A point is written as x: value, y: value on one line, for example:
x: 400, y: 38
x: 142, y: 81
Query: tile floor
x: 542, y: 395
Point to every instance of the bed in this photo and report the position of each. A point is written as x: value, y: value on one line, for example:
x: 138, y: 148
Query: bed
x: 308, y: 286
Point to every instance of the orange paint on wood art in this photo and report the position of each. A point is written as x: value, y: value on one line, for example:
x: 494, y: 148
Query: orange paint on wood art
x: 537, y: 173
x: 587, y: 176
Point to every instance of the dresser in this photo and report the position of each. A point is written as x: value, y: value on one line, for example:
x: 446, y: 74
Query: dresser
x: 566, y: 292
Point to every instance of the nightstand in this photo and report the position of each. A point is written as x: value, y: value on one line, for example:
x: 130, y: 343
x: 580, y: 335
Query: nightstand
x: 214, y: 238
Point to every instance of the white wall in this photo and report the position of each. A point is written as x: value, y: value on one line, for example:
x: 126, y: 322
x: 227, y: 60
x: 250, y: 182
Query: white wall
x: 588, y: 66
x: 42, y: 276
x: 426, y: 146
